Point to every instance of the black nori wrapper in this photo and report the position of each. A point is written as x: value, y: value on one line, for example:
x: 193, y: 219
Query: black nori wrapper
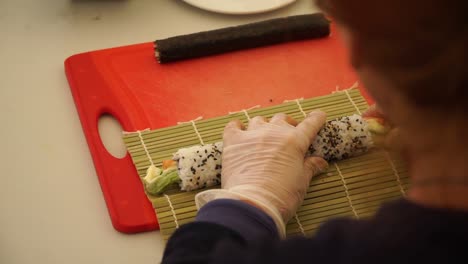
x: 247, y: 36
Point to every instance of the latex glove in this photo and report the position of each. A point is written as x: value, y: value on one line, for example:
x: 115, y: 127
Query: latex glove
x: 265, y: 165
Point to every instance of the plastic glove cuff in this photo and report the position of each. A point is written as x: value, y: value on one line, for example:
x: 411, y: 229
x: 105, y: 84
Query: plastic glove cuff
x: 204, y: 197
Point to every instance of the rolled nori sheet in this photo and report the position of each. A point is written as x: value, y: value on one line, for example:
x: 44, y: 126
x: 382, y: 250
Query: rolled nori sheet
x: 247, y: 36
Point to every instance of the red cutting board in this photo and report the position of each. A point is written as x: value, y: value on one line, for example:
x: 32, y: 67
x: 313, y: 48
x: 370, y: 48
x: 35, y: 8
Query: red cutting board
x: 129, y: 84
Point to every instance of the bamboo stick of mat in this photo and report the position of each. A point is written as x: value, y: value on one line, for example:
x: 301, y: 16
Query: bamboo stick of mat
x: 354, y: 187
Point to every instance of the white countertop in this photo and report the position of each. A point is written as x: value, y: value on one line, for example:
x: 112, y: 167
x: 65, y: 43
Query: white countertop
x: 51, y: 206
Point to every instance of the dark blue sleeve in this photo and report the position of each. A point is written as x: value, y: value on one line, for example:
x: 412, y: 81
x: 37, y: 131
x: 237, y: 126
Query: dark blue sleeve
x: 248, y: 221
x: 229, y: 231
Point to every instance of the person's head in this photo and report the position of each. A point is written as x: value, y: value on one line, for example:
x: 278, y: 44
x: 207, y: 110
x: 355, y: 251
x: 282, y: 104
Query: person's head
x: 411, y: 55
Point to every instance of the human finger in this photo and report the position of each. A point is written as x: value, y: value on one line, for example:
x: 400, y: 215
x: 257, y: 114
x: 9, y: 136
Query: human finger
x: 256, y: 122
x: 314, y: 166
x: 312, y: 124
x: 233, y: 127
x: 374, y: 111
x: 393, y: 140
x: 281, y: 119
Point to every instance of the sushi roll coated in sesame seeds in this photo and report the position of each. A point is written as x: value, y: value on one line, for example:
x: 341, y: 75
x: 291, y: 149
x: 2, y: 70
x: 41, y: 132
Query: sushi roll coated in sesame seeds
x: 198, y: 167
x: 342, y: 138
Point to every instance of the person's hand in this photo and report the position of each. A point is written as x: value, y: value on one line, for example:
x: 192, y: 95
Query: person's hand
x: 265, y: 165
x: 384, y: 134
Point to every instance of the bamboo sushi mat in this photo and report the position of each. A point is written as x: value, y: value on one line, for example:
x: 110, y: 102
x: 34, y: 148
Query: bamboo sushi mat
x: 353, y: 188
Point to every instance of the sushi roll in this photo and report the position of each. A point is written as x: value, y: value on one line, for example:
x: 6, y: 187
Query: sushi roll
x: 269, y: 32
x: 342, y: 138
x: 198, y: 167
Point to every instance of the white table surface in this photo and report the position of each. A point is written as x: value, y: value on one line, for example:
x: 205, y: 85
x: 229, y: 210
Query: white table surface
x: 51, y: 206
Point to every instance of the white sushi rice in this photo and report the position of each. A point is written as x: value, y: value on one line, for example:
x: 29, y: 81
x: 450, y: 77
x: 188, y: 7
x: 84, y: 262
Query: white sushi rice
x: 199, y: 166
x: 342, y: 138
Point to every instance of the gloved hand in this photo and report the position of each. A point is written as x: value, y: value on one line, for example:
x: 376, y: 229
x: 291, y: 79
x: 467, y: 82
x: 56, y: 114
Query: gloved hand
x: 265, y: 165
x: 386, y: 136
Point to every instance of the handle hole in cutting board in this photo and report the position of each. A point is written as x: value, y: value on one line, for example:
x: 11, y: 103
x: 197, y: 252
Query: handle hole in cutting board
x: 110, y: 132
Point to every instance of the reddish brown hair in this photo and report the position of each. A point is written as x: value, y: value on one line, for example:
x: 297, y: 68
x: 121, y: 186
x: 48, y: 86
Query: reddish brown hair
x: 421, y: 45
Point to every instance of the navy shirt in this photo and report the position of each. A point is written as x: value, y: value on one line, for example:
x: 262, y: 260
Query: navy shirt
x: 229, y: 231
